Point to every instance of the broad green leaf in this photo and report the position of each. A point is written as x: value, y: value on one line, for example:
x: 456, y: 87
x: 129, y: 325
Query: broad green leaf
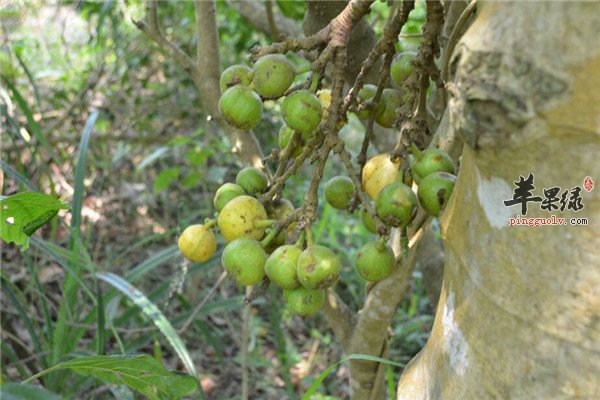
x: 164, y: 179
x: 159, y: 319
x: 18, y: 391
x: 142, y: 373
x: 313, y: 388
x: 23, y: 213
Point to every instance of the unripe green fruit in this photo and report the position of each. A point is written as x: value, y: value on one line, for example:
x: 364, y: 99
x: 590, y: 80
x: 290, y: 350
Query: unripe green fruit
x: 435, y: 191
x: 225, y: 194
x: 375, y: 261
x: 365, y: 94
x: 244, y: 260
x: 279, y: 211
x: 302, y: 111
x: 303, y: 302
x: 241, y: 107
x: 318, y: 267
x: 235, y: 75
x: 339, y: 190
x: 391, y: 100
x: 273, y: 75
x: 368, y: 221
x: 285, y: 135
x: 281, y: 266
x: 431, y: 160
x: 252, y: 180
x: 396, y: 205
x: 402, y: 66
x: 239, y: 216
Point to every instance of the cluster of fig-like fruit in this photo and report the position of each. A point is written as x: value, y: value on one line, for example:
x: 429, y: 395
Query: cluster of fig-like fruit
x: 244, y: 89
x: 290, y: 260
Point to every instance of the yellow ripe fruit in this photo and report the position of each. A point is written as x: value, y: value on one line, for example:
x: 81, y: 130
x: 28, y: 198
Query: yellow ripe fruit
x: 237, y: 219
x: 197, y: 243
x: 379, y: 172
x: 324, y: 96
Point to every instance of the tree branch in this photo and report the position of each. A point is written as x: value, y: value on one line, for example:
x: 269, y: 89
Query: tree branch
x: 340, y: 318
x: 254, y: 12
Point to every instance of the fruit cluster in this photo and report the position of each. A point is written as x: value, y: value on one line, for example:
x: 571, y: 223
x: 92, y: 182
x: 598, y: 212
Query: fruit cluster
x: 264, y: 241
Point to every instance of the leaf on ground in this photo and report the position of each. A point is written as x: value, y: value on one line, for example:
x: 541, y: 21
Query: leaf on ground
x: 23, y: 213
x: 141, y: 373
x: 17, y: 391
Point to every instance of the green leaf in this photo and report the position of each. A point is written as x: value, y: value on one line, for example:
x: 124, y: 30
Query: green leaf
x: 142, y: 373
x: 16, y: 391
x: 164, y: 179
x: 23, y: 213
x: 313, y: 388
x: 159, y: 319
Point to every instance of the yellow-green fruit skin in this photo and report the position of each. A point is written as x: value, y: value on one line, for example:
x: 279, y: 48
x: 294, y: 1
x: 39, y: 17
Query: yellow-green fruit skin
x: 279, y: 211
x: 435, y: 191
x: 368, y: 221
x: 252, y: 180
x: 396, y: 205
x: 241, y: 107
x: 235, y: 75
x: 402, y: 66
x: 339, y: 191
x: 237, y: 219
x: 273, y: 75
x: 302, y: 111
x: 303, y: 302
x: 391, y: 100
x: 318, y: 268
x: 365, y: 94
x: 197, y: 243
x: 374, y: 261
x: 281, y: 266
x: 225, y: 194
x: 432, y: 160
x: 244, y: 260
x: 379, y: 172
x: 285, y: 135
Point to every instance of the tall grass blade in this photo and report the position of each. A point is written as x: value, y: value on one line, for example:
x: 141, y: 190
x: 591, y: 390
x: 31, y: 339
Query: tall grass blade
x: 157, y: 317
x: 17, y: 176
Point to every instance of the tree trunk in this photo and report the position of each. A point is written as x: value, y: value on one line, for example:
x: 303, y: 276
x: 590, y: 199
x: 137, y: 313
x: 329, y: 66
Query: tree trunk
x: 519, y: 312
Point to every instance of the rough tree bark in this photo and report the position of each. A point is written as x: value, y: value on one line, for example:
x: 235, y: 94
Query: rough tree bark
x: 519, y: 312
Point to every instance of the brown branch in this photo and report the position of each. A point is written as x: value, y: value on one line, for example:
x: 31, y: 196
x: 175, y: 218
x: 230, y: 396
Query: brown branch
x: 254, y: 12
x: 339, y: 317
x: 154, y: 32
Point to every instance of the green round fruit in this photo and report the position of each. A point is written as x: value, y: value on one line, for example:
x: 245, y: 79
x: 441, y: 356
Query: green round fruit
x: 365, y: 94
x: 285, y: 135
x: 302, y: 111
x: 279, y: 211
x: 368, y: 221
x: 402, y: 66
x: 225, y: 194
x: 396, y: 205
x: 339, y: 190
x: 318, y: 267
x: 375, y: 261
x: 391, y: 100
x: 238, y: 217
x: 252, y: 180
x: 281, y: 266
x: 241, y: 107
x: 273, y: 75
x: 244, y: 260
x: 303, y: 302
x: 235, y: 75
x: 430, y: 161
x: 435, y: 191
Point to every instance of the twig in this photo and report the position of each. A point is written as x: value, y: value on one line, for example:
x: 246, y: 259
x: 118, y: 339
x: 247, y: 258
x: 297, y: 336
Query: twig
x: 205, y: 300
x: 257, y: 291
